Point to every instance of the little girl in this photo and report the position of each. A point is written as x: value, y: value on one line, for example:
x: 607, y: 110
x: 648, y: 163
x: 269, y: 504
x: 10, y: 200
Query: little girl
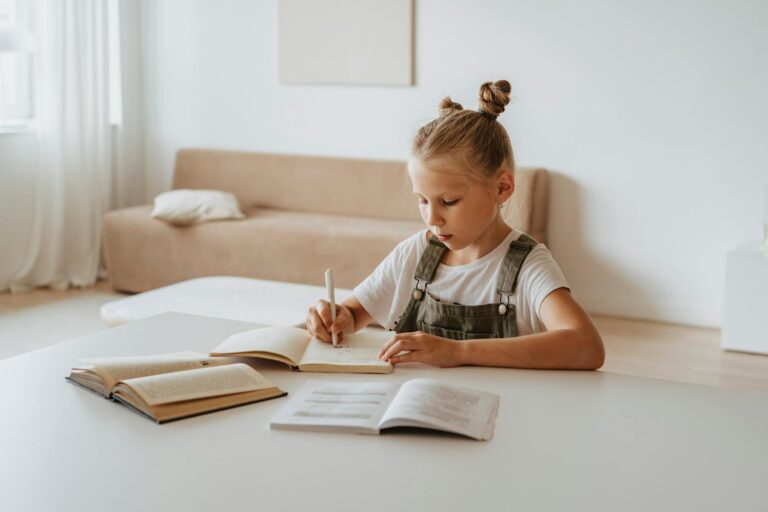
x: 469, y: 289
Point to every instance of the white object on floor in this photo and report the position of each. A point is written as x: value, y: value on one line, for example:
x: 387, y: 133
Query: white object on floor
x: 234, y: 298
x: 745, y: 323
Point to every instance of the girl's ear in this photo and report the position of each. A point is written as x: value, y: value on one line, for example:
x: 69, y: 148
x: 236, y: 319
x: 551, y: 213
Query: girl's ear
x: 505, y: 185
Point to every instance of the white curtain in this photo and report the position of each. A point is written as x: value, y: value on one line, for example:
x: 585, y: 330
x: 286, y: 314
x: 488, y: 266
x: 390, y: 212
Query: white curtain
x: 87, y: 153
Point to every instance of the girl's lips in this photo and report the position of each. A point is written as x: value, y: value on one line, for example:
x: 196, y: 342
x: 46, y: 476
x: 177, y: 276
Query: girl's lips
x: 444, y: 237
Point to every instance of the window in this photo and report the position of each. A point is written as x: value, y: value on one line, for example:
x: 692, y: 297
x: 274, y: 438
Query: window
x: 15, y: 65
x: 18, y: 49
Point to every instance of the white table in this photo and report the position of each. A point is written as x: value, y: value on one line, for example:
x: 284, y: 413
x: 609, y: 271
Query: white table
x: 563, y: 441
x: 233, y: 297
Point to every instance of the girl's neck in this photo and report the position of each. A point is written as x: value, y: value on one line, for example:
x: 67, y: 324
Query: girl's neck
x: 485, y: 243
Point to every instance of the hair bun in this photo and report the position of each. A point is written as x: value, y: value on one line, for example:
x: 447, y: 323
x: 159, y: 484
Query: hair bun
x: 494, y: 96
x: 447, y: 105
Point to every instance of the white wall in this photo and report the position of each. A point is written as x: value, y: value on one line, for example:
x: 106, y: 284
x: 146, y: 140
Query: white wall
x: 653, y: 115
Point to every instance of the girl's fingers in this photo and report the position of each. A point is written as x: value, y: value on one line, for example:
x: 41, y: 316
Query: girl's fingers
x: 321, y: 329
x: 323, y: 309
x: 399, y: 345
x: 386, y: 347
x: 316, y: 326
x: 406, y: 357
x: 344, y: 319
x: 339, y: 325
x: 391, y: 342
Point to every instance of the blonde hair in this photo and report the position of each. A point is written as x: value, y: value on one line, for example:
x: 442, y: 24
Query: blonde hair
x: 473, y: 140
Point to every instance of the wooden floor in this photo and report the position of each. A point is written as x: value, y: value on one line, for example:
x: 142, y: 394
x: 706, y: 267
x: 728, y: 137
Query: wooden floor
x: 40, y: 318
x: 680, y: 353
x: 673, y: 352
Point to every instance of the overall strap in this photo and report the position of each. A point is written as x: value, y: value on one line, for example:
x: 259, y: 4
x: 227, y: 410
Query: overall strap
x: 430, y: 259
x: 513, y: 262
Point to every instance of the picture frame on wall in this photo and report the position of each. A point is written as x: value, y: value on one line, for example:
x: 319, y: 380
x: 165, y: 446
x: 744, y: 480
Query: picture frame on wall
x: 361, y: 42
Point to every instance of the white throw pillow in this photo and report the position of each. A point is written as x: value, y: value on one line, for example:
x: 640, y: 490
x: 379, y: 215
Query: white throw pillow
x: 185, y: 206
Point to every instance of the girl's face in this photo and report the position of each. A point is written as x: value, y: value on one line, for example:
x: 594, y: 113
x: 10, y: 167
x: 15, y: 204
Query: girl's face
x: 460, y: 210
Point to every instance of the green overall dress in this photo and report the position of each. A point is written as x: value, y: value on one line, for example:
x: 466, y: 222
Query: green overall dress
x: 454, y: 321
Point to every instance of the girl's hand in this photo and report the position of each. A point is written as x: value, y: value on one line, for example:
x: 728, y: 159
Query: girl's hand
x: 421, y: 347
x: 319, y: 321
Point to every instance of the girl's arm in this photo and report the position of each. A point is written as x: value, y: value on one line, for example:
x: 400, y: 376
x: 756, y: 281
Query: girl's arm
x: 571, y: 342
x: 361, y: 317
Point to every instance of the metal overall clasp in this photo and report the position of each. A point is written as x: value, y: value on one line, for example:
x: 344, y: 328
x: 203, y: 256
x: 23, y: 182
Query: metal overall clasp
x: 504, y: 299
x: 418, y: 293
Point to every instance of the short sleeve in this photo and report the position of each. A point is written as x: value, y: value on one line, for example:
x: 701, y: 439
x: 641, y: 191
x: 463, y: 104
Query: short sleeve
x: 539, y: 276
x: 377, y: 291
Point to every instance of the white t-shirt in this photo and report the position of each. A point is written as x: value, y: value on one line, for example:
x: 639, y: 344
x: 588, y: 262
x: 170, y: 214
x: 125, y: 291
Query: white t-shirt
x: 385, y: 293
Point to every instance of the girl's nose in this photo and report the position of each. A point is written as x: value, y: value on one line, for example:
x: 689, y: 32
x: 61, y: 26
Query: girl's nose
x: 433, y: 217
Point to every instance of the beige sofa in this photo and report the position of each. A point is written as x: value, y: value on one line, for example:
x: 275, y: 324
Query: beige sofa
x: 303, y: 215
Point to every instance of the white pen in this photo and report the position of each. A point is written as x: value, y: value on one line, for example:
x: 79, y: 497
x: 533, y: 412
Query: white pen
x: 332, y: 300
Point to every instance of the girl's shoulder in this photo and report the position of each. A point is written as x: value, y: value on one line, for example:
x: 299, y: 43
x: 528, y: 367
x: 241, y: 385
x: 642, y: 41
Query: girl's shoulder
x: 539, y: 254
x: 539, y: 259
x: 540, y: 266
x: 540, y: 250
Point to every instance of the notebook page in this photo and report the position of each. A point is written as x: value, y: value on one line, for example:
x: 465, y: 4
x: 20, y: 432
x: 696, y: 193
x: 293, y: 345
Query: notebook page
x: 359, y: 349
x: 430, y: 403
x: 289, y: 342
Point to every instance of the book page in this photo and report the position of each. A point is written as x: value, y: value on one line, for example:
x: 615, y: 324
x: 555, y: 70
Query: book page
x: 360, y: 349
x: 199, y: 383
x: 430, y: 403
x: 289, y: 342
x: 114, y: 369
x: 324, y: 405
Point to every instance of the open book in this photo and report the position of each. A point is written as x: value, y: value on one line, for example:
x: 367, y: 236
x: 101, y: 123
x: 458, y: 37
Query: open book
x: 168, y: 387
x: 369, y: 407
x: 296, y: 348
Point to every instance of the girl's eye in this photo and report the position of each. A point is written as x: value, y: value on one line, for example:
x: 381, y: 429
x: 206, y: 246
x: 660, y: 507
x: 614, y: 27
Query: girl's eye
x: 443, y: 201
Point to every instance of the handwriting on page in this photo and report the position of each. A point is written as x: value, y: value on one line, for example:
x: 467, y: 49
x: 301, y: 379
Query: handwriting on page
x: 350, y: 355
x: 323, y: 353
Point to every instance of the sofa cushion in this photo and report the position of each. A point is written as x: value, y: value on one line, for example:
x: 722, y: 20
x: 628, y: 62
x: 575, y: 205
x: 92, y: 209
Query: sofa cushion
x: 185, y: 206
x: 143, y: 253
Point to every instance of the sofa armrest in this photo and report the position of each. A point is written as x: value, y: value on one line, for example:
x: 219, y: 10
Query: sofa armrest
x: 528, y: 208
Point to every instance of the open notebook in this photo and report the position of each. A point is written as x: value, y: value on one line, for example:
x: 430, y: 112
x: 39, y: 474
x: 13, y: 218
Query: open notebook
x: 296, y: 348
x: 369, y: 407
